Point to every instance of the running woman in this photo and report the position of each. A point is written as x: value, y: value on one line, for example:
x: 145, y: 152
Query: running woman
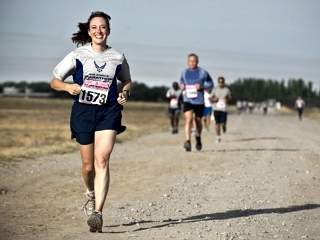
x: 207, y: 111
x: 220, y: 96
x: 192, y: 82
x: 174, y: 97
x: 300, y: 106
x: 96, y: 112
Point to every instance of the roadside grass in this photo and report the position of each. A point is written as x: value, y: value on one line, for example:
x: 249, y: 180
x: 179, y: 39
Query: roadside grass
x: 31, y: 128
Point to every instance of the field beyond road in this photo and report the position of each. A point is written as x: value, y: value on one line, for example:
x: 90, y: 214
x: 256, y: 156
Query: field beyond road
x: 36, y: 127
x: 261, y: 182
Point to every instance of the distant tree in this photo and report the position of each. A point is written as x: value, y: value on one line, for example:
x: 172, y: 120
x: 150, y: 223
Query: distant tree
x: 142, y: 92
x: 258, y: 90
x: 250, y: 89
x: 39, y: 87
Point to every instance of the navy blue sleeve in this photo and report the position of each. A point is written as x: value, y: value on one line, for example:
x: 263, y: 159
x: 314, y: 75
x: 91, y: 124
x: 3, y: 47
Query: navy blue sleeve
x: 208, y: 82
x: 182, y: 78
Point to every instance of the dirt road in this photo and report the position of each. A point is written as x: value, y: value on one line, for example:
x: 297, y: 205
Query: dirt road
x: 261, y: 182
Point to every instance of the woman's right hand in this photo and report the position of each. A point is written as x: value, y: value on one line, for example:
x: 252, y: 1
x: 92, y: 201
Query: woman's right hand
x: 73, y: 88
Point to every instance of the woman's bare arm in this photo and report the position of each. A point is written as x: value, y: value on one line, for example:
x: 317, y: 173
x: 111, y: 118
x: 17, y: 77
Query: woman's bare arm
x: 59, y: 85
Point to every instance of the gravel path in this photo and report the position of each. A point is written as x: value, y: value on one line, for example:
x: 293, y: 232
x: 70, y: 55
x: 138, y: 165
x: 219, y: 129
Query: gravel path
x: 261, y: 182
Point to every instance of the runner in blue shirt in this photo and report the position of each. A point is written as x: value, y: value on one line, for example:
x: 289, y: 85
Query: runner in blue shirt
x: 96, y: 111
x: 193, y: 81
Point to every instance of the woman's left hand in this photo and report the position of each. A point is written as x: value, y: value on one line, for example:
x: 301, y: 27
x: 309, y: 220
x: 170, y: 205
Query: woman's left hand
x: 123, y: 98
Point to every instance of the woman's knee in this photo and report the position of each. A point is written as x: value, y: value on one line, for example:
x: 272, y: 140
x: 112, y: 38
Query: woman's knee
x: 102, y: 160
x: 88, y: 166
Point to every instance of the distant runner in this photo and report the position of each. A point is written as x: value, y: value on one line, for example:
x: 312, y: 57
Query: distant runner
x: 300, y: 104
x: 220, y: 96
x: 192, y: 81
x: 250, y: 106
x: 239, y: 106
x: 265, y: 108
x: 174, y: 95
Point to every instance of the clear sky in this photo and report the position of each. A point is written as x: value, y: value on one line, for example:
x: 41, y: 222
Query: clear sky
x: 235, y: 38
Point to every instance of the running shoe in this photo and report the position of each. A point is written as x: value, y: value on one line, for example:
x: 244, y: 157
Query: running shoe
x: 95, y: 222
x: 90, y: 205
x: 187, y: 146
x: 218, y: 140
x: 198, y: 143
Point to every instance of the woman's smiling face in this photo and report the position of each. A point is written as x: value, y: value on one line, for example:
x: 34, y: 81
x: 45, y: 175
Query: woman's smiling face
x: 98, y: 30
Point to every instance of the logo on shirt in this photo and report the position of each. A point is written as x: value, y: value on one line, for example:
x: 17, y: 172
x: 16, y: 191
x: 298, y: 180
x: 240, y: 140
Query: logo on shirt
x: 99, y: 68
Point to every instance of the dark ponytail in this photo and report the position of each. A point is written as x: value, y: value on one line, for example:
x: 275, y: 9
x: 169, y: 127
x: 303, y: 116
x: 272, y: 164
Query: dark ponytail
x: 82, y: 37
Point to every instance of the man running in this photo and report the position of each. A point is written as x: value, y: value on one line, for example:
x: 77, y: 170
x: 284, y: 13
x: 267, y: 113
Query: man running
x: 265, y: 108
x: 300, y: 106
x: 174, y: 97
x: 250, y: 106
x: 193, y: 81
x: 220, y: 96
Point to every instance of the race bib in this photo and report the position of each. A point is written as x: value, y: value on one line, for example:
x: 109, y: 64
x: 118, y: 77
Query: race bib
x: 221, y: 104
x: 94, y: 92
x: 191, y: 91
x: 174, y: 103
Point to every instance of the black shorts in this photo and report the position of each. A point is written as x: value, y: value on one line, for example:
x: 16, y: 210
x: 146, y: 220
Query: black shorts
x: 300, y: 111
x: 196, y: 108
x: 174, y: 111
x: 86, y: 119
x: 220, y: 117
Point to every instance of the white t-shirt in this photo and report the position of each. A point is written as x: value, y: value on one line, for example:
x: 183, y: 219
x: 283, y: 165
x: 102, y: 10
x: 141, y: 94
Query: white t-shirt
x: 221, y: 94
x: 207, y: 102
x: 300, y: 103
x: 96, y: 73
x: 173, y: 96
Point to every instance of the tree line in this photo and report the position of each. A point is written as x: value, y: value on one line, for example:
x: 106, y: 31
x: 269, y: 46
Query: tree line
x: 249, y: 89
x: 258, y: 90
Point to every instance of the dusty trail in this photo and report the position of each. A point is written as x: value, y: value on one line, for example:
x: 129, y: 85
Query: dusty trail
x: 261, y: 182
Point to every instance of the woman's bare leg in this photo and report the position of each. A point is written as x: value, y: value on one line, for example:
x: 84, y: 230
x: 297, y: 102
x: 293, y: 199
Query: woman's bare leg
x: 88, y: 172
x: 103, y: 146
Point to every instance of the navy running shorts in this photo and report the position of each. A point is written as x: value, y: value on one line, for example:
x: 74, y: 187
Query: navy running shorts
x: 207, y: 111
x: 86, y: 119
x: 196, y: 108
x: 220, y: 117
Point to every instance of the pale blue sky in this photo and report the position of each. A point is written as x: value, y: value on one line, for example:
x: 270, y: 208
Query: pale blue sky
x: 239, y: 38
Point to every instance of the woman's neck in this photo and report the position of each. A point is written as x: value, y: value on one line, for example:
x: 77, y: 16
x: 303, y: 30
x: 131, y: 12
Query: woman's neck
x: 98, y: 48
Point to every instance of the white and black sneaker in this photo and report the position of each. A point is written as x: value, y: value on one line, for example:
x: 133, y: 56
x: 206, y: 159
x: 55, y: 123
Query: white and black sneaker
x: 95, y: 222
x: 90, y: 205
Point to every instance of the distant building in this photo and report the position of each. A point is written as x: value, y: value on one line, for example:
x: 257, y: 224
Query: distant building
x: 10, y: 91
x: 15, y: 92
